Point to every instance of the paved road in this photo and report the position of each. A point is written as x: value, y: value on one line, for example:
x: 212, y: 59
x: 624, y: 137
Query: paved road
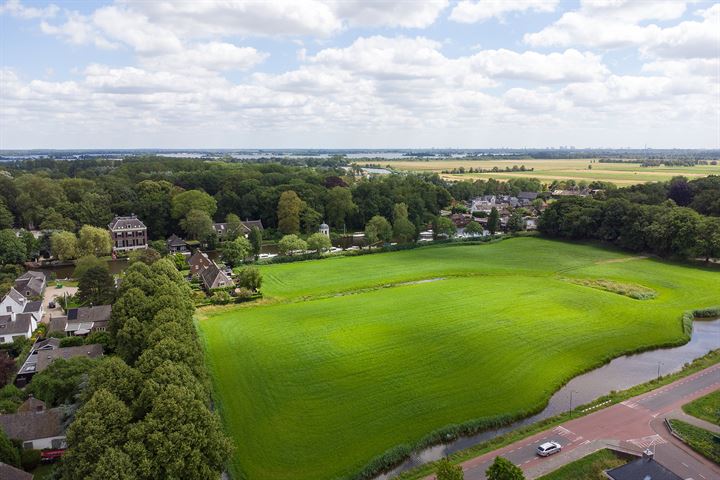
x: 50, y: 293
x: 633, y: 425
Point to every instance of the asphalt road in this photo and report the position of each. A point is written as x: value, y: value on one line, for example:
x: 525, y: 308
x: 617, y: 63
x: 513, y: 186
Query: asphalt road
x: 633, y: 425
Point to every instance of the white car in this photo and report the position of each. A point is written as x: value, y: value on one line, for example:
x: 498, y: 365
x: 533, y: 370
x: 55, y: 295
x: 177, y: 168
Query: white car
x: 548, y: 448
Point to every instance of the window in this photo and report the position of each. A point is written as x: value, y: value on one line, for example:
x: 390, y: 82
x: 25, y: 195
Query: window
x: 28, y: 445
x: 57, y: 443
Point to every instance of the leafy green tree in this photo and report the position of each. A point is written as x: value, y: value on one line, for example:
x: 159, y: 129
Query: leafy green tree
x: 197, y: 224
x: 56, y: 221
x: 8, y: 453
x: 288, y: 212
x: 37, y: 195
x: 7, y: 219
x: 443, y: 226
x: 96, y: 286
x: 64, y: 246
x: 114, y: 464
x: 310, y: 219
x: 403, y: 228
x: 115, y: 376
x: 159, y: 246
x: 503, y: 469
x: 448, y: 471
x: 235, y: 252
x: 516, y: 222
x: 60, y: 381
x: 32, y: 244
x: 708, y: 241
x: 185, y: 202
x: 339, y: 205
x: 234, y: 226
x: 318, y: 242
x: 290, y: 244
x: 12, y: 248
x: 93, y: 209
x: 378, y: 229
x: 250, y: 278
x: 162, y: 445
x: 473, y: 228
x: 83, y: 264
x: 71, y: 342
x: 255, y: 237
x: 153, y: 205
x: 130, y: 340
x: 493, y: 224
x: 148, y: 256
x: 100, y: 424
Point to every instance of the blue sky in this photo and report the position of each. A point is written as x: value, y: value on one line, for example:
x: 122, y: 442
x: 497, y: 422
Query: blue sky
x: 359, y: 73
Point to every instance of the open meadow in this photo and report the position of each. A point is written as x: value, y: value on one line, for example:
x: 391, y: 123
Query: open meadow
x: 349, y: 357
x: 621, y: 174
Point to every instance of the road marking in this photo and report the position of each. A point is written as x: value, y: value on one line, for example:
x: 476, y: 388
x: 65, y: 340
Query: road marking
x: 646, y: 442
x: 686, y: 465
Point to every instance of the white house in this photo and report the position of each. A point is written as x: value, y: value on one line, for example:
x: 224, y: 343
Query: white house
x: 13, y: 302
x: 36, y: 430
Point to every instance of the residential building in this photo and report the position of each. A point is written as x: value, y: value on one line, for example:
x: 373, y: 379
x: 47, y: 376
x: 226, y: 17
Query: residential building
x: 643, y: 468
x: 44, y: 352
x: 13, y: 302
x: 325, y: 229
x: 128, y: 233
x: 8, y: 472
x: 82, y: 320
x: 36, y: 430
x: 16, y: 325
x: 222, y: 229
x: 213, y: 277
x: 199, y: 261
x: 32, y: 404
x: 176, y: 244
x: 31, y: 284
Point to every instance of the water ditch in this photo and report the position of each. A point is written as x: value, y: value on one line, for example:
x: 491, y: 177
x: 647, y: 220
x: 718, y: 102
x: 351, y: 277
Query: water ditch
x: 619, y: 374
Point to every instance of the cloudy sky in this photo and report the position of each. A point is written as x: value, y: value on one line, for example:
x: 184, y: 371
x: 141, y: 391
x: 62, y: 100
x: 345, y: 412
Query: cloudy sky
x: 359, y: 73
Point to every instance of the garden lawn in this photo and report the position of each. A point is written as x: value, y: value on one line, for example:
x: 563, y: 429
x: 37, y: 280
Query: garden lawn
x: 319, y: 383
x: 591, y: 467
x: 706, y: 408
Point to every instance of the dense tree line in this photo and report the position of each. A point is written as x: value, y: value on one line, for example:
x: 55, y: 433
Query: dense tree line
x: 145, y: 413
x: 178, y: 195
x: 701, y: 194
x: 665, y: 229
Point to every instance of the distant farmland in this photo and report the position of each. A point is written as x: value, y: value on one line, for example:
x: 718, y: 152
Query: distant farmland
x: 350, y: 357
x: 621, y: 174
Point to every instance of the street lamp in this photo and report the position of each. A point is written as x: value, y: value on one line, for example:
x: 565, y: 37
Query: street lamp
x: 658, y: 375
x: 571, y: 398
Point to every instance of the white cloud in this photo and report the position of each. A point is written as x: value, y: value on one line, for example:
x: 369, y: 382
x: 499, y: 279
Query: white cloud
x: 216, y: 56
x: 135, y: 30
x: 619, y: 23
x: 18, y: 10
x: 469, y: 11
x: 569, y: 66
x: 381, y: 13
x: 78, y: 30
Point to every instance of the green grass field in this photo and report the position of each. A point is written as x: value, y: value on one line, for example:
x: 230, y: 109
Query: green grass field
x: 590, y: 467
x: 622, y: 174
x: 334, y: 370
x: 706, y: 408
x: 699, y: 439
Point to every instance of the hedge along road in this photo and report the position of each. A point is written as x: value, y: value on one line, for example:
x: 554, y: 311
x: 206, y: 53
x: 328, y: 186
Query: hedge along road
x: 316, y: 388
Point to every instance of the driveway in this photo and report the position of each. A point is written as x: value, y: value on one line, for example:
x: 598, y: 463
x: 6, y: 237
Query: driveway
x: 50, y: 293
x: 633, y: 425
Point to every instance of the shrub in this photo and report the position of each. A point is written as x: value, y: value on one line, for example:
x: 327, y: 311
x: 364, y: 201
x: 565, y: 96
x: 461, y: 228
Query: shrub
x: 71, y: 342
x: 243, y: 294
x: 29, y: 459
x: 220, y: 297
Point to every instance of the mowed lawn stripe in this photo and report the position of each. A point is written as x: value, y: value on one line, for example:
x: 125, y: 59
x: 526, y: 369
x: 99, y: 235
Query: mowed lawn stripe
x: 315, y: 389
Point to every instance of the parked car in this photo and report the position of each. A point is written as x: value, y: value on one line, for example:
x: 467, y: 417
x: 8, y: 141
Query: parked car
x: 548, y: 448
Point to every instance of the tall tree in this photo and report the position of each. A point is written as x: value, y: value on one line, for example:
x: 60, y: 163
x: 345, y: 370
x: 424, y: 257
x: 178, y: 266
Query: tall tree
x: 101, y: 424
x: 516, y: 222
x: 503, y: 469
x: 153, y: 206
x: 443, y: 226
x: 403, y: 228
x: 12, y: 248
x: 255, y: 237
x: 338, y: 206
x: 288, y: 212
x: 183, y: 203
x: 94, y: 241
x: 6, y: 217
x: 318, y: 242
x: 493, y: 224
x: 96, y: 286
x: 235, y: 252
x: 290, y: 244
x: 64, y: 245
x: 250, y: 278
x: 378, y: 229
x: 234, y: 226
x: 473, y: 228
x: 448, y: 471
x: 197, y: 224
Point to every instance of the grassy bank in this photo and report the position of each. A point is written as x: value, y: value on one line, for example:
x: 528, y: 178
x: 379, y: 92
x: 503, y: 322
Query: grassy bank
x: 329, y: 378
x: 590, y: 467
x: 706, y: 408
x: 699, y: 439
